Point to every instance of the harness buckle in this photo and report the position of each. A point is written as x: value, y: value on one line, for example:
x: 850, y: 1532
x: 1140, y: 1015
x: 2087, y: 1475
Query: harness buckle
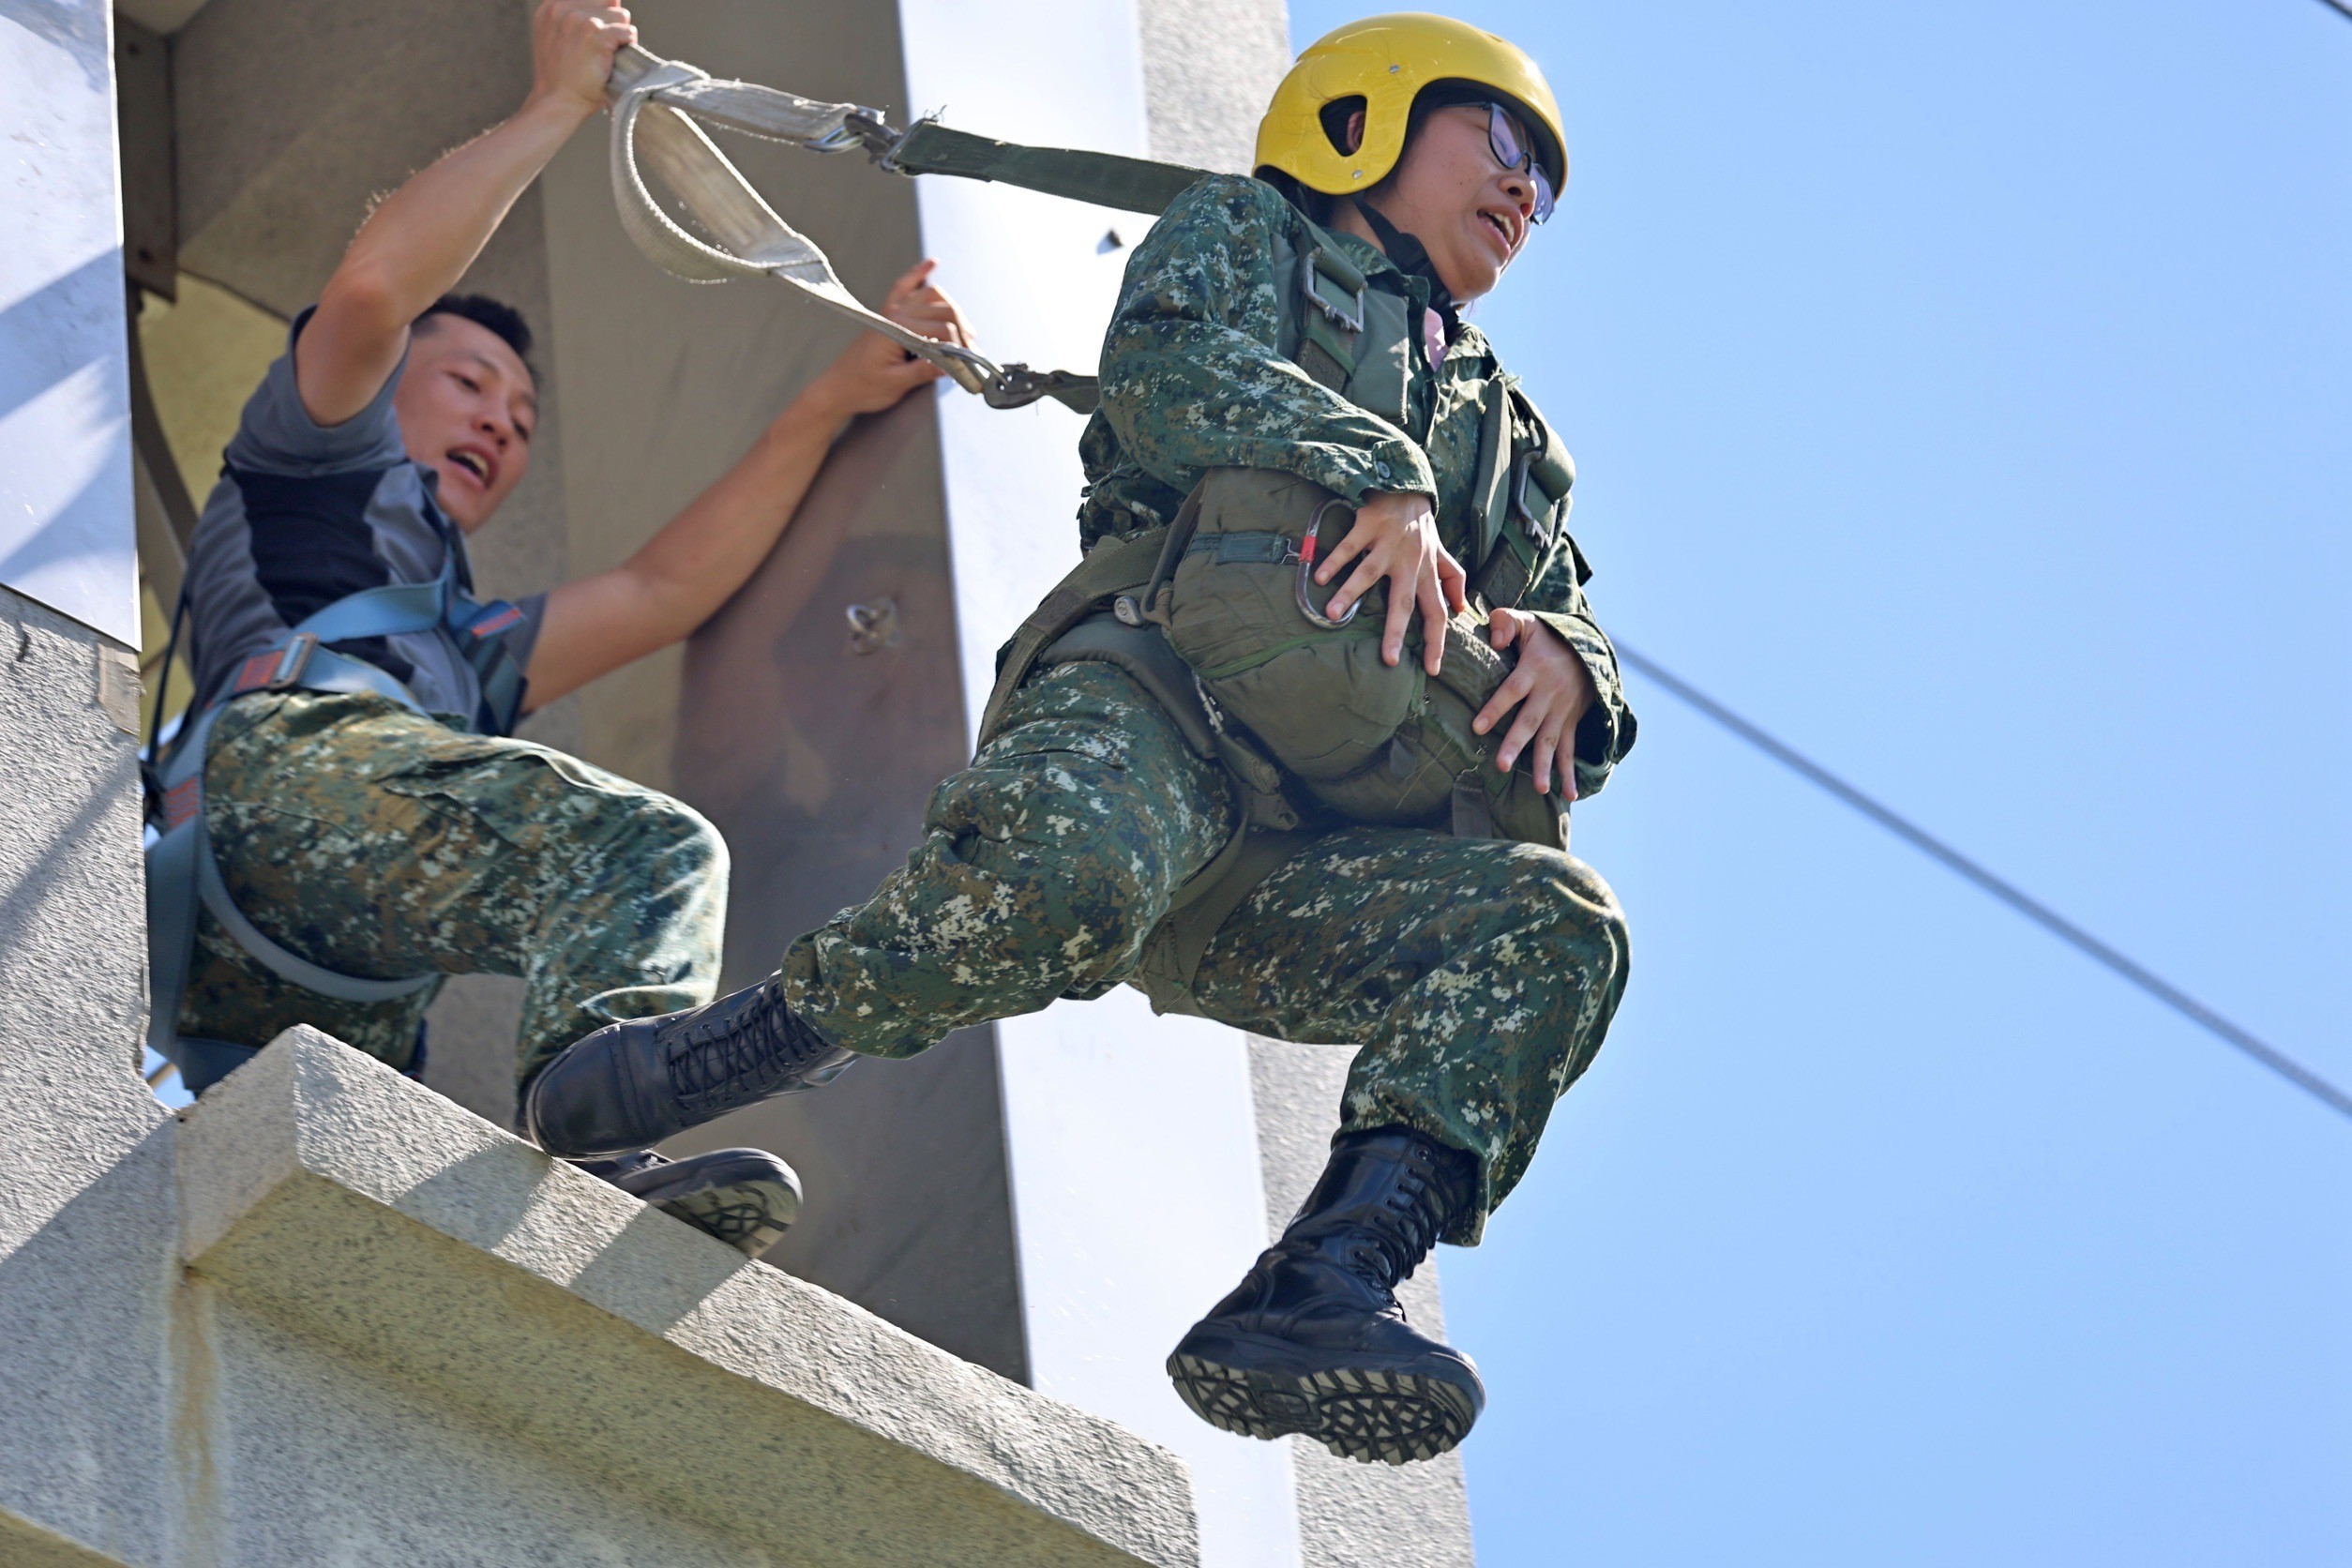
x: 860, y: 128
x: 1313, y: 270
x: 292, y: 662
x: 1537, y: 524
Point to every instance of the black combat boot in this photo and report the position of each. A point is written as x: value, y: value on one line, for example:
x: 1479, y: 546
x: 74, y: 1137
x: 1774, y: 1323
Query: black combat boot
x: 747, y: 1198
x: 1313, y: 1341
x: 631, y: 1084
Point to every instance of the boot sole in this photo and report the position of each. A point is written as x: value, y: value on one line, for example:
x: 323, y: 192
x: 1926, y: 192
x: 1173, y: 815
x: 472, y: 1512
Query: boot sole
x: 750, y: 1218
x: 746, y: 1198
x: 1377, y: 1415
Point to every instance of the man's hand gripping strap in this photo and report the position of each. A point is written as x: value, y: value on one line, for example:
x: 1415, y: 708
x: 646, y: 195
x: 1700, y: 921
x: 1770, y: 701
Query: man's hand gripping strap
x: 654, y: 104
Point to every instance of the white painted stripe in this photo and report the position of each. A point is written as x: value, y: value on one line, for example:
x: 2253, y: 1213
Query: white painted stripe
x: 66, y: 530
x: 1133, y: 1144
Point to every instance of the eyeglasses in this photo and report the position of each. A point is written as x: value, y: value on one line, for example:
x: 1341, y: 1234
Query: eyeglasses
x: 1509, y: 145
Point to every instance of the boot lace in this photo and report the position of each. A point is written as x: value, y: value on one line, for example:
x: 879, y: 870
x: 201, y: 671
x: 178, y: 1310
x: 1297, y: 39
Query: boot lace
x: 741, y: 1054
x: 1409, y: 1216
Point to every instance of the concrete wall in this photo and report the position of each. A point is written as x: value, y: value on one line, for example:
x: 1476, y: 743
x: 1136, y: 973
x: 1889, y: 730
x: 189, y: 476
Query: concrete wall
x: 84, y: 1171
x: 325, y: 1314
x: 84, y: 1200
x: 1054, y: 1199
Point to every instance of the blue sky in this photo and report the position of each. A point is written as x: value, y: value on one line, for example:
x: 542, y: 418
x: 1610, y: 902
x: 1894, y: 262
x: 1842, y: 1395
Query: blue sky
x: 1961, y: 392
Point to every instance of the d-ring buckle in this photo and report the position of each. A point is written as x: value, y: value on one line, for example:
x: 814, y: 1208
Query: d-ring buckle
x: 1306, y: 571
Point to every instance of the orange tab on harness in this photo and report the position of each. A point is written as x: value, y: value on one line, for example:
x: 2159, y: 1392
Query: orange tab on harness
x: 181, y: 800
x: 505, y: 617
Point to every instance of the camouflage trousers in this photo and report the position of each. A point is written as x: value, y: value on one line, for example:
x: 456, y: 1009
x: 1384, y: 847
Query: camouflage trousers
x: 1477, y: 977
x: 379, y: 843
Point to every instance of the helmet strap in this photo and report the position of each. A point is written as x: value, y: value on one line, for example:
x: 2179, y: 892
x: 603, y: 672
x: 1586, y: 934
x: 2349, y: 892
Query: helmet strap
x: 1411, y: 258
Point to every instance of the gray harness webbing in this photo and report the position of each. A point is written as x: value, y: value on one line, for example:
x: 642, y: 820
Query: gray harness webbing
x: 656, y: 104
x: 183, y: 874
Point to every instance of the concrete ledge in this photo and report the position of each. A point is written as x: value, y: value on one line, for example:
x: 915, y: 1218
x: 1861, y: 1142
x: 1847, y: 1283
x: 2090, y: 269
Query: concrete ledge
x: 26, y: 1545
x: 328, y: 1193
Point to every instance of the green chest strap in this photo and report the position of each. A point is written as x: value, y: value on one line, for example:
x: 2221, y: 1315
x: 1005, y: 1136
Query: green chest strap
x: 1354, y: 338
x: 1356, y: 341
x: 1520, y: 500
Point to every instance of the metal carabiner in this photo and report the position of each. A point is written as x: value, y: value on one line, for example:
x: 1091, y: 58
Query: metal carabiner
x: 1306, y: 571
x: 861, y: 128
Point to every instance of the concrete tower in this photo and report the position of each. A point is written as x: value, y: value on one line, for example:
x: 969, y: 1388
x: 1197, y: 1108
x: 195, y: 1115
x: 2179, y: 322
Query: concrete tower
x: 326, y: 1312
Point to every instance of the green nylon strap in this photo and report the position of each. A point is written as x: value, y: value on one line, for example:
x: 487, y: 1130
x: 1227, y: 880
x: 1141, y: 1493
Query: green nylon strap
x: 1506, y: 576
x: 1106, y: 179
x: 1249, y: 549
x: 1491, y: 497
x: 1148, y: 661
x: 1173, y: 953
x: 1317, y: 362
x: 1112, y: 566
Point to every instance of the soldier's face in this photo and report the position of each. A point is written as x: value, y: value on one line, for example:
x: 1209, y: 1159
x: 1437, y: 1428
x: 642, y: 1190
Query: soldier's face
x: 467, y: 407
x: 1472, y: 215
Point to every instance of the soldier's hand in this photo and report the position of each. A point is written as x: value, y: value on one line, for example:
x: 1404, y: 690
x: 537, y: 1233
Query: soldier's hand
x: 1395, y: 533
x: 1550, y: 687
x: 572, y: 45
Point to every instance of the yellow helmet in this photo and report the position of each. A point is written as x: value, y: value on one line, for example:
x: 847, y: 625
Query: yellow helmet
x: 1387, y: 61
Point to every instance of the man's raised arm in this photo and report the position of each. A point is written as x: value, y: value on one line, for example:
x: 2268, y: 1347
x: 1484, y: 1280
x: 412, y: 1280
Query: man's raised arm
x: 418, y: 243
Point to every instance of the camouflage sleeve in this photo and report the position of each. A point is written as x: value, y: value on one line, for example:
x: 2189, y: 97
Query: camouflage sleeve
x: 1192, y: 379
x: 1557, y: 598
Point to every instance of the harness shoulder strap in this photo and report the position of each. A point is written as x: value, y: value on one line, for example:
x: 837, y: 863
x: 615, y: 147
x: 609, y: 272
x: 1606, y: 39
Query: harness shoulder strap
x: 473, y: 628
x: 479, y: 630
x: 1523, y: 478
x: 1353, y: 338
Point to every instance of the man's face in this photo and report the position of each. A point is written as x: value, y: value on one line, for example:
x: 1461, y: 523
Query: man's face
x: 467, y: 407
x: 1470, y: 213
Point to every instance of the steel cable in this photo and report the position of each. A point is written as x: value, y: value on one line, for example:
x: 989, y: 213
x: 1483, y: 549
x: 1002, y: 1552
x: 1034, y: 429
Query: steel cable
x: 2007, y: 892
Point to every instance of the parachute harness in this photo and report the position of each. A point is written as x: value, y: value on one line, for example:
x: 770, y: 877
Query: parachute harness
x: 656, y: 105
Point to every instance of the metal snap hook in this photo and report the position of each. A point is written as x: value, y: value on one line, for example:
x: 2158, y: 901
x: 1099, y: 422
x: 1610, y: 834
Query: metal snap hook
x: 1307, y: 569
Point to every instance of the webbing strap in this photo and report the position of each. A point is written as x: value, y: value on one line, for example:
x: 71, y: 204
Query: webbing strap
x: 386, y: 612
x: 1111, y: 567
x: 654, y: 105
x: 326, y: 671
x: 1490, y: 492
x: 1246, y: 550
x: 1105, y: 179
x: 171, y: 932
x: 279, y: 961
x: 181, y: 870
x: 414, y: 607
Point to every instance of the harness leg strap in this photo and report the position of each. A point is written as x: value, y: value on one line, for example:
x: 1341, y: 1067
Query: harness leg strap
x: 271, y: 956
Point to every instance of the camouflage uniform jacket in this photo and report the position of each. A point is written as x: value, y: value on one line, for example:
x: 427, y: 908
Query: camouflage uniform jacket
x: 1193, y: 379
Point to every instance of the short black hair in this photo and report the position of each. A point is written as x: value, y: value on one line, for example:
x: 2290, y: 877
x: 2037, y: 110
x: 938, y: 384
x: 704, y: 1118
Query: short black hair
x: 495, y: 315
